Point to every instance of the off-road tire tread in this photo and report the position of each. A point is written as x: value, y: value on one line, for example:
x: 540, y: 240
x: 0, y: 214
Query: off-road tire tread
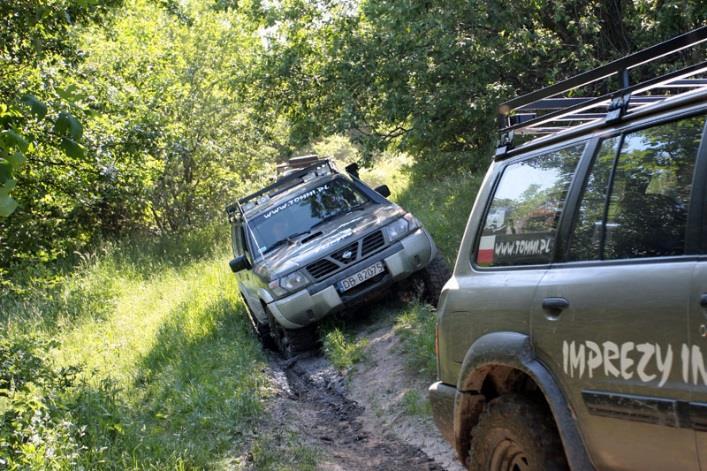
x: 302, y: 340
x: 435, y: 275
x: 290, y: 342
x: 262, y: 331
x: 521, y: 416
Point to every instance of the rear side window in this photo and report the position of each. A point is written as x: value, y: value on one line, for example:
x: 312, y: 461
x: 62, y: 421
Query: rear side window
x: 647, y: 208
x: 522, y: 220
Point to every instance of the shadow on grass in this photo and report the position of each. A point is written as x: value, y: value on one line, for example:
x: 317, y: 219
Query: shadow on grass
x: 197, y: 395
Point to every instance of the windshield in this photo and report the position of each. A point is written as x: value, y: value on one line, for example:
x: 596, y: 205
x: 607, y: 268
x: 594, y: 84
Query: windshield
x: 297, y: 215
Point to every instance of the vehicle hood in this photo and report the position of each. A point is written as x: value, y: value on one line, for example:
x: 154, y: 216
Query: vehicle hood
x: 325, y: 239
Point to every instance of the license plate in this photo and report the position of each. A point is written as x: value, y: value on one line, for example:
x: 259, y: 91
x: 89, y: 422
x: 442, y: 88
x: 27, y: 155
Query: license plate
x: 358, y: 278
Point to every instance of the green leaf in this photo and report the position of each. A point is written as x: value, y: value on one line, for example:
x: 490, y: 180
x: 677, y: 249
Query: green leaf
x: 71, y: 148
x: 17, y: 160
x: 7, y: 205
x: 7, y: 187
x: 68, y: 126
x: 37, y: 107
x: 12, y: 139
x: 5, y: 171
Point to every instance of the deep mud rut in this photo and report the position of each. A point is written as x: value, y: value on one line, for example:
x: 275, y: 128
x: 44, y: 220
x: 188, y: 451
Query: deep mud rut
x: 312, y: 399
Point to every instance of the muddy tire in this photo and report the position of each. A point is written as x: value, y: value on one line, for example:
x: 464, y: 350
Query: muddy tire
x: 434, y: 276
x: 291, y: 342
x: 261, y: 331
x: 515, y: 433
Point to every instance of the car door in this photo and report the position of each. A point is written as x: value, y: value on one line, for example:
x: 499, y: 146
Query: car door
x: 610, y: 320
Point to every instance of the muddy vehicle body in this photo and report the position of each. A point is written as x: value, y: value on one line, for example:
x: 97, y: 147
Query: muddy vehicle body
x: 318, y: 241
x: 573, y: 331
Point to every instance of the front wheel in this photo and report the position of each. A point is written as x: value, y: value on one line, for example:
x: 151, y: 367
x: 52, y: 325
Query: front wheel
x: 290, y: 342
x: 261, y: 331
x: 515, y: 433
x: 434, y: 276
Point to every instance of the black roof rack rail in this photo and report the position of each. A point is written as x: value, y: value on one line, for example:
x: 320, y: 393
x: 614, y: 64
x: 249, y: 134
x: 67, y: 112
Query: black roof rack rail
x: 548, y: 110
x: 282, y: 184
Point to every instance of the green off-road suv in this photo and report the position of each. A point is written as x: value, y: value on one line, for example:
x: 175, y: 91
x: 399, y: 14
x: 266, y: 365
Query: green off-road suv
x: 573, y: 331
x: 317, y: 241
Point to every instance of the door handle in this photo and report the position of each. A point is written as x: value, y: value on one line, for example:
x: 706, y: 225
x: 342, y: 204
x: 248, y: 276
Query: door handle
x: 555, y: 306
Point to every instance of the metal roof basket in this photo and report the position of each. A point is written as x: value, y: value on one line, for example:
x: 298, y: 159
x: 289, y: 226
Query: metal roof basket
x: 554, y: 109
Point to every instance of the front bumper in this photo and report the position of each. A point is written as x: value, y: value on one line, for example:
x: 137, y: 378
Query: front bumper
x: 442, y: 402
x: 401, y: 259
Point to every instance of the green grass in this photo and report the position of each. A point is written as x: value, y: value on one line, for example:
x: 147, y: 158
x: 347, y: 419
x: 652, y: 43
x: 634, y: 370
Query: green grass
x: 342, y: 349
x: 170, y: 376
x: 415, y: 324
x: 415, y: 404
x: 283, y: 451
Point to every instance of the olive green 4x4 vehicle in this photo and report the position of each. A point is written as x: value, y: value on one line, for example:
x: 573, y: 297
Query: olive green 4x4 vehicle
x: 573, y: 331
x: 317, y: 241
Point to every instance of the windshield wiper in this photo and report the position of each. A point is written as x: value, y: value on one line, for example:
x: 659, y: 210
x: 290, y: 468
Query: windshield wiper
x: 290, y: 239
x: 334, y: 216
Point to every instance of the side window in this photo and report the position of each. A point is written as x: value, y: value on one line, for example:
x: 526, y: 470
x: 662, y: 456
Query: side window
x: 526, y: 207
x: 585, y: 243
x: 646, y: 213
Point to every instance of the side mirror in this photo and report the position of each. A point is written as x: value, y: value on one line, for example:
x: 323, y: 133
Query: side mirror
x: 383, y: 190
x: 352, y: 169
x: 239, y: 263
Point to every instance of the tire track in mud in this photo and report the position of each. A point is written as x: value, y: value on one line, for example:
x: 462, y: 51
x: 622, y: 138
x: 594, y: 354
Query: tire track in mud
x: 312, y: 398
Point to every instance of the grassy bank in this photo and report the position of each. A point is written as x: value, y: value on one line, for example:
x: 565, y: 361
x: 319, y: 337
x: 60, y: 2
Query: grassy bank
x: 141, y: 358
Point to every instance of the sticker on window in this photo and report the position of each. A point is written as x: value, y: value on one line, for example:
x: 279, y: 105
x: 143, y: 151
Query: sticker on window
x: 510, y: 249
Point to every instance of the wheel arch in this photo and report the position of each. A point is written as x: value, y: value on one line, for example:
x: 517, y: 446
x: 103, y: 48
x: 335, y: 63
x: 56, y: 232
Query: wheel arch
x: 502, y: 362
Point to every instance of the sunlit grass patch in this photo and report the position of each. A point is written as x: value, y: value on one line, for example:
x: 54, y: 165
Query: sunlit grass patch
x: 416, y: 327
x: 169, y: 378
x: 415, y: 404
x: 343, y: 350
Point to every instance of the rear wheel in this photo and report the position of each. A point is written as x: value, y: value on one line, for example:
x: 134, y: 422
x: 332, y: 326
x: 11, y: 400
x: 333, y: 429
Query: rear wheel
x: 291, y: 342
x: 515, y: 433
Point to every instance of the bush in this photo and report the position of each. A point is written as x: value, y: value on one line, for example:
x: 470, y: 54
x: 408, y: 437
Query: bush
x: 36, y: 427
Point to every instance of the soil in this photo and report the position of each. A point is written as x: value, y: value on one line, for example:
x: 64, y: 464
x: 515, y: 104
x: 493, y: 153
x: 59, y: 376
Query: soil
x: 381, y: 383
x: 355, y: 421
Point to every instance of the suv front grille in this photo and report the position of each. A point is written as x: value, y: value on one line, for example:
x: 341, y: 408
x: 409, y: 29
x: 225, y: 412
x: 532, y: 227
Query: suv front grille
x: 322, y: 268
x: 354, y: 251
x: 372, y: 242
x: 346, y: 255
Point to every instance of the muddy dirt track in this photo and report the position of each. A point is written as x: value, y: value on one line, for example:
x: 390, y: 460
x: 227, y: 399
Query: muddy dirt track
x: 312, y: 395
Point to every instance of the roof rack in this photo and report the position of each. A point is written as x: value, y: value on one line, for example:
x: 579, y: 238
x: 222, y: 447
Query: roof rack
x: 550, y: 110
x: 237, y: 209
x: 295, y: 163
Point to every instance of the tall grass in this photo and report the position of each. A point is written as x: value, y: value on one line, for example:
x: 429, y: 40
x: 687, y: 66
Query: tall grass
x: 143, y: 360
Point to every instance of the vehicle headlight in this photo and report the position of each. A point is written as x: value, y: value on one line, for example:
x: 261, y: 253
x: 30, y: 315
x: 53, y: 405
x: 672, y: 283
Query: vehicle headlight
x: 289, y: 283
x: 397, y: 229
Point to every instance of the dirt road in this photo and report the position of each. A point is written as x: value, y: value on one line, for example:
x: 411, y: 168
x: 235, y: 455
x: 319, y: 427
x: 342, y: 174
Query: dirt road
x: 315, y: 398
x: 354, y: 421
